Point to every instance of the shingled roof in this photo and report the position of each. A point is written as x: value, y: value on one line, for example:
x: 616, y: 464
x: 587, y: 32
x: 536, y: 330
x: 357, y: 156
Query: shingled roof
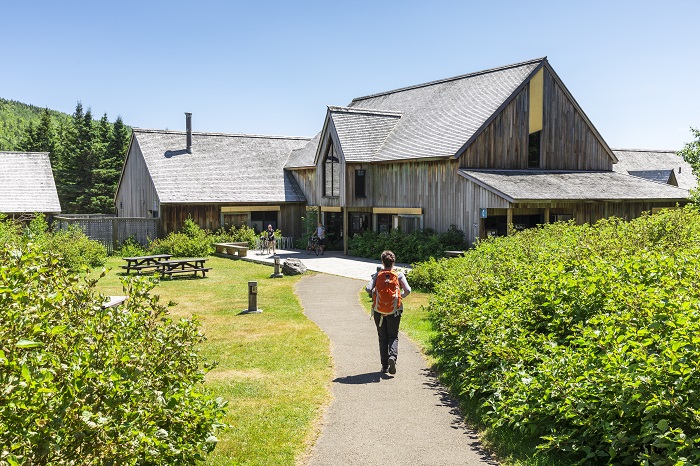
x: 222, y: 168
x: 580, y: 186
x: 27, y: 184
x: 634, y: 161
x: 436, y: 118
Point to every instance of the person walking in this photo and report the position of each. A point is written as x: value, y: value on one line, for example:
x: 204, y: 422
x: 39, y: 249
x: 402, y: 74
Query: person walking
x: 270, y: 233
x: 321, y: 233
x: 387, y: 288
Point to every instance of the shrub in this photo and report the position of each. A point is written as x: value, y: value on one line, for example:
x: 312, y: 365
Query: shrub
x: 191, y: 241
x: 583, y: 338
x: 75, y: 248
x: 83, y: 384
x: 235, y: 235
x: 412, y: 247
x: 130, y: 248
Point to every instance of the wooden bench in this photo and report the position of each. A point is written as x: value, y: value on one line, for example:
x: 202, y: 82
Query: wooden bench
x: 239, y: 249
x: 140, y: 263
x: 454, y: 253
x: 191, y: 265
x: 113, y: 301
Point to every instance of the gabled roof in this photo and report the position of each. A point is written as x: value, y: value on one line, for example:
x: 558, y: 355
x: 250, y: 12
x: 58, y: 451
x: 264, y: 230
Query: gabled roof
x: 222, y: 168
x: 660, y: 176
x: 580, y: 186
x: 362, y: 132
x: 27, y: 184
x: 640, y: 160
x: 304, y: 156
x: 439, y: 117
x: 436, y: 118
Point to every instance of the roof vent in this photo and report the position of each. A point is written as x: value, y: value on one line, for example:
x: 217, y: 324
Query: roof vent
x: 188, y: 121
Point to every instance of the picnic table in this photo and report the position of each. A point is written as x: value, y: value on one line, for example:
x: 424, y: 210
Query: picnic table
x: 191, y: 264
x: 140, y: 263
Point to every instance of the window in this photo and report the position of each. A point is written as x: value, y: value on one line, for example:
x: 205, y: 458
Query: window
x: 533, y: 150
x: 360, y: 183
x: 260, y: 220
x: 331, y: 174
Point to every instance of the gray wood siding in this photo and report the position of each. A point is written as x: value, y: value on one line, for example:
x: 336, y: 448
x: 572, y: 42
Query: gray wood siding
x: 137, y: 194
x: 208, y: 216
x: 503, y: 143
x: 431, y: 185
x: 306, y: 179
x: 567, y: 141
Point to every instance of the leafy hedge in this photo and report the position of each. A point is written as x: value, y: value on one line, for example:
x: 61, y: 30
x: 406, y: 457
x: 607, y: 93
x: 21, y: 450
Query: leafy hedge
x: 412, y: 247
x: 79, y: 383
x: 75, y: 248
x: 584, y: 338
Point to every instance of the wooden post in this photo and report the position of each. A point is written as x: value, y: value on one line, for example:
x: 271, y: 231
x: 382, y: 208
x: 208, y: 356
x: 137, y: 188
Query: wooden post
x: 509, y: 219
x: 546, y: 215
x: 345, y: 231
x: 115, y: 233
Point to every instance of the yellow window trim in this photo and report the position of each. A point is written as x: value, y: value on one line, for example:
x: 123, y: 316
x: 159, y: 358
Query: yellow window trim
x: 250, y: 208
x: 330, y: 209
x: 536, y: 101
x: 398, y: 210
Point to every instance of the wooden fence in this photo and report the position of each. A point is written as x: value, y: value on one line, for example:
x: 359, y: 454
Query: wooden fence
x: 110, y: 231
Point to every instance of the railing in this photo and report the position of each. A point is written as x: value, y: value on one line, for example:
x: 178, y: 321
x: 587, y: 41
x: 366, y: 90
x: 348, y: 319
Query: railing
x: 285, y: 242
x: 110, y: 231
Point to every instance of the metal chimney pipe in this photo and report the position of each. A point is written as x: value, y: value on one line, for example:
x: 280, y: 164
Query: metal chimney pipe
x: 188, y: 120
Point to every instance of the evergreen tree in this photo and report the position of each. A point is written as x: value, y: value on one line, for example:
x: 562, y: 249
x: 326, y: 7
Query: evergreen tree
x: 102, y: 199
x: 28, y: 140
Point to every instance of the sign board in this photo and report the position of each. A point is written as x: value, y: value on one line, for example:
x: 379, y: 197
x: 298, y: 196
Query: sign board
x: 483, y: 213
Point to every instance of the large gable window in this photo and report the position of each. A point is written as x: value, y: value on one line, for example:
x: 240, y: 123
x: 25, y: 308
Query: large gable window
x: 331, y: 173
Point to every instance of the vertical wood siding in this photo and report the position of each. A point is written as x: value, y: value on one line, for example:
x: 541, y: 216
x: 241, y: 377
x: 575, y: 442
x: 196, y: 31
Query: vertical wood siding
x: 567, y: 141
x: 137, y: 194
x: 208, y: 216
x: 503, y: 143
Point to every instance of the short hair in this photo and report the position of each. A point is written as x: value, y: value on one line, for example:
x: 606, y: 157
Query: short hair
x: 388, y: 258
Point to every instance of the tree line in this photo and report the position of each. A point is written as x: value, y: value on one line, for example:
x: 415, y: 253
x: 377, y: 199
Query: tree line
x: 86, y: 155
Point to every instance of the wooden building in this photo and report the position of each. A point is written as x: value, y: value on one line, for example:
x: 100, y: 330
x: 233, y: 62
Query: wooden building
x: 481, y: 151
x: 217, y: 179
x: 27, y: 185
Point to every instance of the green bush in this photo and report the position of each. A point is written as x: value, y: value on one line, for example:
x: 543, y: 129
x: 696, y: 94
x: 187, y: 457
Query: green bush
x: 583, y: 338
x: 75, y: 248
x: 417, y: 246
x: 83, y: 384
x: 130, y: 248
x: 235, y: 235
x: 191, y: 241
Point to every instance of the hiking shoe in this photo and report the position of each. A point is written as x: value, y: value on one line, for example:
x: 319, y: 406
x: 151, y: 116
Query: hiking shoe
x: 392, y: 366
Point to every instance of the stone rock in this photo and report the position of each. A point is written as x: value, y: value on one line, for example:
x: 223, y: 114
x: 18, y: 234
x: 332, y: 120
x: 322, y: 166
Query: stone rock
x: 293, y: 267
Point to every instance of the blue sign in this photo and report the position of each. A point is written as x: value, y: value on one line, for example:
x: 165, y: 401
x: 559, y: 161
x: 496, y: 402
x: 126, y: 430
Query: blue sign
x: 483, y: 213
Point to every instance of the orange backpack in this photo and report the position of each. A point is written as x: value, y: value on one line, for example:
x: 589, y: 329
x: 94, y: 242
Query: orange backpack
x: 386, y: 294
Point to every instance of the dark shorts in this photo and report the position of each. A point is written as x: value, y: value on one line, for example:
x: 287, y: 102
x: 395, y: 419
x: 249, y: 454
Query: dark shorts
x: 322, y: 241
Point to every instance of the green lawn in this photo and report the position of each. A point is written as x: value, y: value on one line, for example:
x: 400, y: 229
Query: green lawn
x: 274, y: 368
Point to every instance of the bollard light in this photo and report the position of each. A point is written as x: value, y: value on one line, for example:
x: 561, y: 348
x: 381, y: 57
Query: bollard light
x: 252, y: 299
x: 277, y: 273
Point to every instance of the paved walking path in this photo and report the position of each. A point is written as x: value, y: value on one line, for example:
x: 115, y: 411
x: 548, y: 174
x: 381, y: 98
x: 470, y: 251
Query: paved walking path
x: 373, y: 419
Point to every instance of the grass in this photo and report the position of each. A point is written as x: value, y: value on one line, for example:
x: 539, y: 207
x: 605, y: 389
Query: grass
x: 274, y: 368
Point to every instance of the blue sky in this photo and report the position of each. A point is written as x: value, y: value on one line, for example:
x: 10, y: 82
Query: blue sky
x: 273, y: 67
